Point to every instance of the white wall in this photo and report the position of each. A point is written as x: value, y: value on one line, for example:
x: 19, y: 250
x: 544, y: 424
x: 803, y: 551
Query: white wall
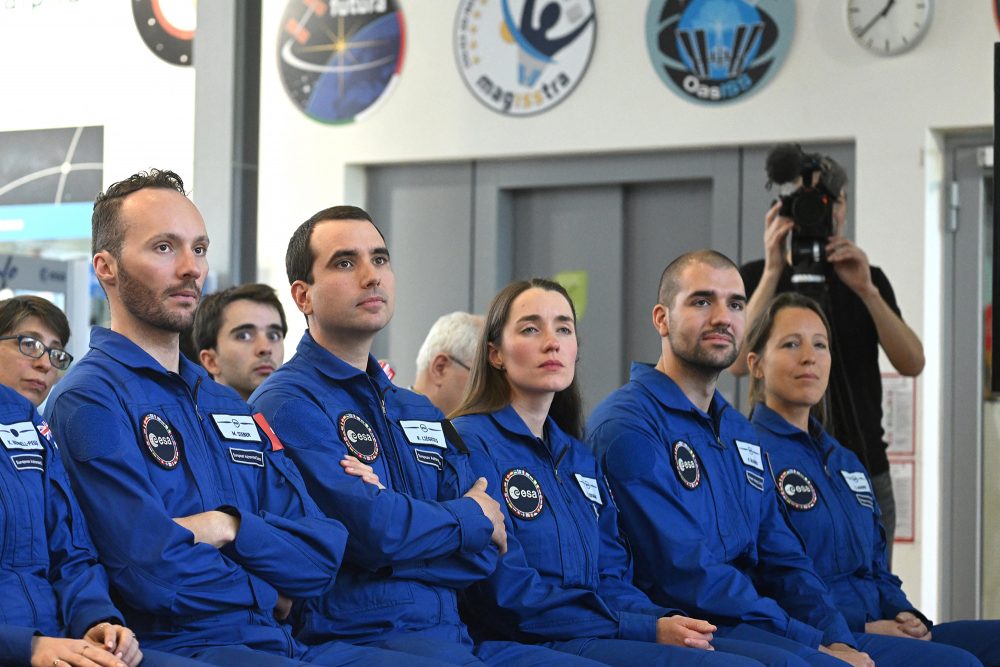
x: 81, y: 62
x: 829, y: 88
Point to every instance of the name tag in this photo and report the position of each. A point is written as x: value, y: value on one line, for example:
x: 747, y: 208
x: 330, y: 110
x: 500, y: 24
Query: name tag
x: 424, y: 433
x: 755, y: 480
x: 865, y: 500
x: 429, y: 458
x: 21, y: 435
x: 28, y: 462
x: 249, y: 457
x: 589, y: 487
x: 237, y: 427
x: 750, y: 454
x: 857, y: 481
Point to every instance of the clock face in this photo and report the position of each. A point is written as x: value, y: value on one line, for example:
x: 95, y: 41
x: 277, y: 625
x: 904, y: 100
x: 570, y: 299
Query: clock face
x: 888, y: 27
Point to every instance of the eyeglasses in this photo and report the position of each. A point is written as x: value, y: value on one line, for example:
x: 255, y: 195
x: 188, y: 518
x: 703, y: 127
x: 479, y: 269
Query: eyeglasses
x: 34, y: 348
x: 459, y: 363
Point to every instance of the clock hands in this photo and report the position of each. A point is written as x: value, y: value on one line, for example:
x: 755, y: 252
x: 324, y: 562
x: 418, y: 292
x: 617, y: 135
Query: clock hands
x: 881, y: 14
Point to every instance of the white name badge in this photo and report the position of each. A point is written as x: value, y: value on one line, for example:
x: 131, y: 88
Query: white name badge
x: 750, y: 454
x: 237, y: 427
x: 589, y: 487
x: 424, y: 433
x: 857, y: 481
x: 21, y: 435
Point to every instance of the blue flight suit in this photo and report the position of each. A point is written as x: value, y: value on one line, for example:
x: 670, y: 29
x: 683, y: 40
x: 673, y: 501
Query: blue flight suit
x: 50, y: 581
x: 411, y: 545
x: 144, y: 445
x: 828, y: 499
x: 703, y: 525
x: 565, y: 581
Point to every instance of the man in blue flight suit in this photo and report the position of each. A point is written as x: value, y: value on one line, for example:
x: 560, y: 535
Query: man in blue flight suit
x: 688, y: 476
x: 204, y: 527
x: 429, y: 532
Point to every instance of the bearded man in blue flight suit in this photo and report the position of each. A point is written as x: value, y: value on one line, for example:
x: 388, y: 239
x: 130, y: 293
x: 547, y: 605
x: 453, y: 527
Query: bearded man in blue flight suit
x: 432, y: 529
x: 688, y: 476
x: 204, y: 527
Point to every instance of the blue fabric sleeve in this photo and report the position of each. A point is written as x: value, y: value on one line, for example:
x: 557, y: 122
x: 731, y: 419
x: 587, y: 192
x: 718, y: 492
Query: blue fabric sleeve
x: 386, y: 527
x: 615, y: 569
x: 15, y: 644
x: 788, y: 575
x: 79, y: 581
x: 145, y: 552
x: 524, y: 606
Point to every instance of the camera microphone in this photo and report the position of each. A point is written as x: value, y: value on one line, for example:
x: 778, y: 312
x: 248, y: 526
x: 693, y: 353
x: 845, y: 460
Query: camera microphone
x: 784, y: 164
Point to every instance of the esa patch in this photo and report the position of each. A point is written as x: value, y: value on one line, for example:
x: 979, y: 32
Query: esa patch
x: 21, y: 435
x: 358, y: 436
x: 686, y: 465
x: 161, y: 443
x: 28, y: 462
x: 522, y: 493
x: 797, y: 490
x: 429, y: 458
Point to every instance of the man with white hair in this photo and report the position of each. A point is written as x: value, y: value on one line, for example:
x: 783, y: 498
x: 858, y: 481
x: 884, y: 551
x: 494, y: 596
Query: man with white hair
x: 444, y: 359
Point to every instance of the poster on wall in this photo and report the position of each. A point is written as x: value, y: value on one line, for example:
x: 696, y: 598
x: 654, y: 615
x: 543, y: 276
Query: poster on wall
x: 522, y: 57
x: 339, y: 59
x: 167, y: 27
x: 714, y: 52
x: 48, y: 181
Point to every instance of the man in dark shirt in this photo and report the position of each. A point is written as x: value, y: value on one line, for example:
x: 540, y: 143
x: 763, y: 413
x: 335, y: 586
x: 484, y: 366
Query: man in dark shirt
x: 864, y: 315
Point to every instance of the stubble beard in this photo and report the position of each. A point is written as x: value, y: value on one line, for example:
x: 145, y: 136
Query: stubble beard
x: 147, y: 306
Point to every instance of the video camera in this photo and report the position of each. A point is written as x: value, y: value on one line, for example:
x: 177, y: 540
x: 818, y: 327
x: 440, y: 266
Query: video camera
x: 810, y: 206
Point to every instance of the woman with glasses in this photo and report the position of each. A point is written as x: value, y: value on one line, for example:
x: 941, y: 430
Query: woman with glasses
x: 55, y: 610
x: 828, y: 498
x: 33, y: 338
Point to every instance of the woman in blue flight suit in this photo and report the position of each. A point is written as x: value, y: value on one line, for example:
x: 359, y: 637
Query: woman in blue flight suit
x: 565, y: 581
x: 826, y: 494
x: 52, y: 587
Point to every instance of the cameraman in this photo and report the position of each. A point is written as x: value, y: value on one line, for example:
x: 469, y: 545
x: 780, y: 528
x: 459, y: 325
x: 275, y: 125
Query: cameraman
x: 862, y: 308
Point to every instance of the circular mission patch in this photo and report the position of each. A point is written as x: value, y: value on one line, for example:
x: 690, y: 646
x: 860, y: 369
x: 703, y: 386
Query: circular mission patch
x: 523, y: 494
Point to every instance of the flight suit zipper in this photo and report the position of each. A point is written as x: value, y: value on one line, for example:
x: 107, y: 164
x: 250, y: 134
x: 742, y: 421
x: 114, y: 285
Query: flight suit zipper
x: 399, y: 484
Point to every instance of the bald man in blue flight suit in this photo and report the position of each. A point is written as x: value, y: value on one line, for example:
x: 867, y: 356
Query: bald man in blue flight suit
x: 828, y: 498
x: 688, y: 475
x: 204, y: 526
x: 433, y: 529
x: 52, y: 587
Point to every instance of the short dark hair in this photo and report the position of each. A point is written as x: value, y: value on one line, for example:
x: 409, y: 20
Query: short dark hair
x: 16, y: 309
x: 299, y: 257
x: 208, y: 317
x: 106, y: 229
x: 670, y: 279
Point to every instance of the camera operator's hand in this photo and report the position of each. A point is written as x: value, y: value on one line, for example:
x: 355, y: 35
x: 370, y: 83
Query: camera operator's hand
x: 851, y: 264
x: 776, y: 230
